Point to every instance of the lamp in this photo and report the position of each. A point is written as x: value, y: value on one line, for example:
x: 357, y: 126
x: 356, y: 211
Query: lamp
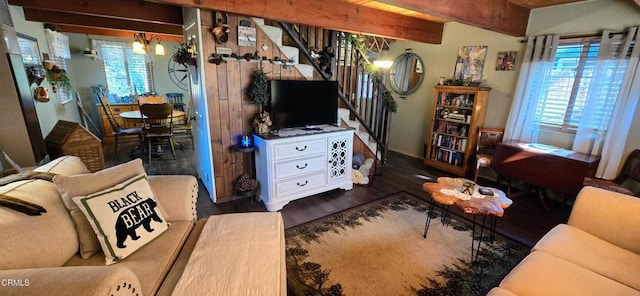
x: 159, y: 48
x: 382, y: 64
x: 141, y: 44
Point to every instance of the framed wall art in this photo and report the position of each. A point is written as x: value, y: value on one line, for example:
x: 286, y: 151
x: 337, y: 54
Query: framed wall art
x: 506, y: 60
x: 470, y: 62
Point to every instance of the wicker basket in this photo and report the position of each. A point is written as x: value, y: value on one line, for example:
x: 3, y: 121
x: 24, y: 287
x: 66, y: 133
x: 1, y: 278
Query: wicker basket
x: 70, y: 138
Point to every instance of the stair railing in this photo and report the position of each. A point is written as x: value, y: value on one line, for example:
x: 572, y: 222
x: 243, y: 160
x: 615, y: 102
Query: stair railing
x: 361, y: 88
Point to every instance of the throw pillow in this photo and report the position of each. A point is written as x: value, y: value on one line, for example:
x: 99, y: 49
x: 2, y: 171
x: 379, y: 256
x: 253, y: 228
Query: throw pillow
x: 85, y: 184
x: 124, y: 217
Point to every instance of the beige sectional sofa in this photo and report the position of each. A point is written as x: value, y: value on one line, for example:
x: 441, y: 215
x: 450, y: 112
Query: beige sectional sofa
x: 596, y: 253
x: 40, y: 255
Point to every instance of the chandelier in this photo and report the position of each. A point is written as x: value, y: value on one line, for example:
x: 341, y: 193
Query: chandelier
x: 141, y: 44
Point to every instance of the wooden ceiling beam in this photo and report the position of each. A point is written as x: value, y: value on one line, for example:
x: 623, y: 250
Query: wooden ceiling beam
x: 330, y: 14
x: 65, y: 18
x: 123, y: 9
x: 495, y: 15
x: 113, y: 33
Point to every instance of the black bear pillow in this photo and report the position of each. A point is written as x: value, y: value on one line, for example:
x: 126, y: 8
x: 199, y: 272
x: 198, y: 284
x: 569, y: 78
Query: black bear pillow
x: 124, y: 217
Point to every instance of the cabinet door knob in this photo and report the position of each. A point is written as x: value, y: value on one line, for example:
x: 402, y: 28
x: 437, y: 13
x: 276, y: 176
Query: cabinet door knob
x: 303, y: 184
x: 302, y: 167
x: 301, y: 149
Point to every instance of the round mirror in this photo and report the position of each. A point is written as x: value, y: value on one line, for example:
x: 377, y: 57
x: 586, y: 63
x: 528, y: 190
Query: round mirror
x: 406, y: 73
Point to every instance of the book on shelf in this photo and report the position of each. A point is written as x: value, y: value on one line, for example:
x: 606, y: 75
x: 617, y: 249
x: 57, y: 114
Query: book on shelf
x: 457, y: 117
x: 448, y: 156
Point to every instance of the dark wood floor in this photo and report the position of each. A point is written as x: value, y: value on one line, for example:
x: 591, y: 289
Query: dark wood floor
x: 525, y: 221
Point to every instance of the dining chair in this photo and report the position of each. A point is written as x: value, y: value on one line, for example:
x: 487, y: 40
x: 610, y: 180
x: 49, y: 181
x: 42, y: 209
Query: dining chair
x: 176, y: 100
x: 150, y: 100
x: 488, y: 138
x: 627, y: 182
x: 157, y: 126
x: 116, y: 129
x: 184, y: 128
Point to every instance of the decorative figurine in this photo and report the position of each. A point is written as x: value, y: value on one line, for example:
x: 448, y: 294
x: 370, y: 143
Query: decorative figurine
x: 467, y: 187
x: 262, y: 123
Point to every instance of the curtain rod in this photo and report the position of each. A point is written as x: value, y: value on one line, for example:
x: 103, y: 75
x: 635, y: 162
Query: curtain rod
x: 616, y: 33
x: 611, y: 34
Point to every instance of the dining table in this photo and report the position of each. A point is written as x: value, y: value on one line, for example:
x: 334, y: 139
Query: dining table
x: 136, y: 116
x: 134, y: 119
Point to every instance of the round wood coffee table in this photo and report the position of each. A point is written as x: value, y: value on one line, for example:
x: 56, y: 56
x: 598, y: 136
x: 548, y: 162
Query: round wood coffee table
x: 448, y: 192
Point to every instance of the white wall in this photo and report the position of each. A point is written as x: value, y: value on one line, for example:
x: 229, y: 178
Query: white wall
x: 411, y: 123
x: 87, y: 72
x: 584, y: 17
x: 48, y: 113
x: 84, y: 73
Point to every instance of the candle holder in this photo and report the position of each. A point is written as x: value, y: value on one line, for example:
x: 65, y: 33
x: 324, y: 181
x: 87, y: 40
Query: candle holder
x: 245, y: 143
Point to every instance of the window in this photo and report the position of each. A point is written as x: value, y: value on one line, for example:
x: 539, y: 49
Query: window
x: 64, y: 90
x: 60, y: 54
x: 573, y: 80
x: 127, y: 73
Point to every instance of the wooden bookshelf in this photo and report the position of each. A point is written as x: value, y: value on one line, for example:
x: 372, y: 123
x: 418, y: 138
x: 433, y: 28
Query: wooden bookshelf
x: 458, y: 112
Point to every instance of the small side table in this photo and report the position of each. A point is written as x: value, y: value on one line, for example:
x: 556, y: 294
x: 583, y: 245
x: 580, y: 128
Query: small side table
x: 492, y: 206
x: 247, y: 164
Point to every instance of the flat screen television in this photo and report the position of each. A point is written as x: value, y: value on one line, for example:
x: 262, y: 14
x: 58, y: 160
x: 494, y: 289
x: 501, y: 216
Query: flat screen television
x: 299, y: 103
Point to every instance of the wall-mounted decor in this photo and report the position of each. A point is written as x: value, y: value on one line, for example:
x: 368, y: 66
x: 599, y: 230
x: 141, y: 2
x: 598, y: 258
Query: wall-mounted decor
x: 246, y: 36
x: 406, y: 73
x: 29, y: 49
x: 506, y: 60
x: 470, y: 62
x: 221, y: 29
x: 36, y: 73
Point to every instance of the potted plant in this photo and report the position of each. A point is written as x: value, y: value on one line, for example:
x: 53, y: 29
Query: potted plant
x: 59, y: 79
x: 185, y: 55
x: 259, y: 91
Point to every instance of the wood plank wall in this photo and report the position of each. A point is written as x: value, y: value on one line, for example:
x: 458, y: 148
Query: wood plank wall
x: 231, y: 109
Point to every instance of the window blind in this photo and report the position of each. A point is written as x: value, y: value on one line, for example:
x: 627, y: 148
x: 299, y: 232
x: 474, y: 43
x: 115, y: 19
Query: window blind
x: 58, y: 44
x: 65, y: 94
x: 573, y: 81
x: 126, y: 73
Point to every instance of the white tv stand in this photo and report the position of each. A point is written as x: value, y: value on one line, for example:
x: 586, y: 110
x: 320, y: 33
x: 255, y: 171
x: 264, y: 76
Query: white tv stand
x: 299, y: 162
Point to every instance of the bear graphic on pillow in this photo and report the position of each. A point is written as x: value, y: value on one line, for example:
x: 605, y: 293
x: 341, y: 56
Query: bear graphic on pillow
x: 133, y: 217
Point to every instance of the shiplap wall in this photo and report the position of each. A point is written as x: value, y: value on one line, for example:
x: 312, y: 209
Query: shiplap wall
x: 231, y: 109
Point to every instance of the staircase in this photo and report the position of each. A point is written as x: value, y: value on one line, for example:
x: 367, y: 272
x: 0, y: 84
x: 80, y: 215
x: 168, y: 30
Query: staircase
x: 292, y: 53
x: 361, y: 133
x: 363, y: 104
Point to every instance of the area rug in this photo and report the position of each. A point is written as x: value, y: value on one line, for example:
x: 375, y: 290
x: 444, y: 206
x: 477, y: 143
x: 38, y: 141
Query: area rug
x: 378, y: 249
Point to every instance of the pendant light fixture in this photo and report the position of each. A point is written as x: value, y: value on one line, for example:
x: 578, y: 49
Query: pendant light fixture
x: 141, y: 44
